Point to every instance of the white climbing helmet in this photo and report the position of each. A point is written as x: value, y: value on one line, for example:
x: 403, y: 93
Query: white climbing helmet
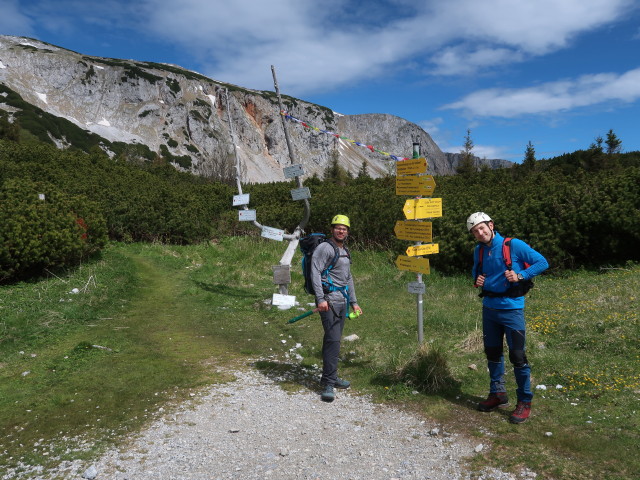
x: 476, y: 218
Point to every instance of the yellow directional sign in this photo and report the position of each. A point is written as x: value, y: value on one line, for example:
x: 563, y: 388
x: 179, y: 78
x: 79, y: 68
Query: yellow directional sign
x: 423, y: 250
x: 415, y: 185
x: 430, y: 183
x: 413, y: 264
x: 414, y: 231
x: 411, y: 166
x: 416, y: 208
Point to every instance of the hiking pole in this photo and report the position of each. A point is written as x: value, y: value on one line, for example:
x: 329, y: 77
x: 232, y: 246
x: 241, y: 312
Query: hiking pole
x: 304, y: 315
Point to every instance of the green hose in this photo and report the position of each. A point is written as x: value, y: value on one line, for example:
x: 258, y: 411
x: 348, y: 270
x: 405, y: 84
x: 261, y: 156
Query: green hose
x: 304, y: 315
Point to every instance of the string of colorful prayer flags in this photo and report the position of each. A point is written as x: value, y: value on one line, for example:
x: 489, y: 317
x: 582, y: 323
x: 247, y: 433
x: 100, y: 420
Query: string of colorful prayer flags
x: 337, y: 135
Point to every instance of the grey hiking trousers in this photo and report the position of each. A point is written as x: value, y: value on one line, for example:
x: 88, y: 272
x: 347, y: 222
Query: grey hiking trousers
x: 333, y: 324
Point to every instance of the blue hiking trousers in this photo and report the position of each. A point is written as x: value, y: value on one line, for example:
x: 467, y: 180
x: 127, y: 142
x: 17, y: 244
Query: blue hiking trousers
x: 496, y: 325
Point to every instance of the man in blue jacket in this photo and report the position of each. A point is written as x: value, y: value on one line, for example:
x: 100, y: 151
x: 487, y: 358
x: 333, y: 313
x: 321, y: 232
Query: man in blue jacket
x: 503, y: 310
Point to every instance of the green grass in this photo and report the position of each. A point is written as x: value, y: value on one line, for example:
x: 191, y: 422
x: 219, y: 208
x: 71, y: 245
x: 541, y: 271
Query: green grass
x: 153, y: 324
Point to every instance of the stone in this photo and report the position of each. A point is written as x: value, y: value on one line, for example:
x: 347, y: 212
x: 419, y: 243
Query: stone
x: 90, y: 473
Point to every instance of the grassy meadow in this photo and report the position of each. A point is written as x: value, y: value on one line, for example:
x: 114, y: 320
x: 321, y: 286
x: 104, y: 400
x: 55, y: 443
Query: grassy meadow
x: 150, y: 325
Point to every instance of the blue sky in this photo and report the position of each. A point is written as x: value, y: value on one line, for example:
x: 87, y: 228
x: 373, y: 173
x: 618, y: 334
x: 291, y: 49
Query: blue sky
x: 557, y: 73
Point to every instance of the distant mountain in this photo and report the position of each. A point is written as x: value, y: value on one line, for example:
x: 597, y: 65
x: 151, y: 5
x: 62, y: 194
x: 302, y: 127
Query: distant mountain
x: 147, y: 110
x: 454, y: 159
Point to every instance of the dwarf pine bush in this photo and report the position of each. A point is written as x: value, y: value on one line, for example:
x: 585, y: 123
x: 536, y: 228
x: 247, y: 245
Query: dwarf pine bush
x: 41, y: 227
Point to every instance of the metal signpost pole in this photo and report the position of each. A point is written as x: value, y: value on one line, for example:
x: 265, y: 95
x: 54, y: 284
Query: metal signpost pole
x: 285, y: 261
x: 419, y: 302
x: 411, y: 179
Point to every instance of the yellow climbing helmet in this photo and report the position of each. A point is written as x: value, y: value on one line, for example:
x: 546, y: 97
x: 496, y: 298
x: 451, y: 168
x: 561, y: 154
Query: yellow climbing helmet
x: 341, y: 220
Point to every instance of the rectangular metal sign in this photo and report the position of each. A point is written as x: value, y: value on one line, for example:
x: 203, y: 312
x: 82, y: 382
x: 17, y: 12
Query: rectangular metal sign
x: 413, y: 264
x: 416, y: 231
x: 273, y: 233
x: 415, y: 209
x: 411, y: 166
x: 246, y: 215
x: 300, y: 193
x: 283, y: 300
x: 415, y: 185
x: 241, y: 199
x: 293, y: 171
x: 416, y: 287
x: 281, y: 274
x: 418, y: 250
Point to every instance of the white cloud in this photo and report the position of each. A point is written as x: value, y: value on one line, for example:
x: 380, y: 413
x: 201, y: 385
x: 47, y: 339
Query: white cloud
x: 480, y: 151
x: 462, y: 61
x: 552, y: 97
x: 535, y: 27
x: 324, y: 46
x: 318, y: 46
x: 13, y: 21
x: 432, y: 126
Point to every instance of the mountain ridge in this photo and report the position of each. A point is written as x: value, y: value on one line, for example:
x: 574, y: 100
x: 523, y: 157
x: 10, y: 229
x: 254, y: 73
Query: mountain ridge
x: 183, y: 117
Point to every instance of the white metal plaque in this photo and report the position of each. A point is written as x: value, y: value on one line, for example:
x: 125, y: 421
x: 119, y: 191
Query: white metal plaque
x: 246, y: 215
x: 241, y: 199
x: 283, y: 300
x: 273, y: 233
x: 293, y: 171
x: 300, y: 193
x: 415, y: 287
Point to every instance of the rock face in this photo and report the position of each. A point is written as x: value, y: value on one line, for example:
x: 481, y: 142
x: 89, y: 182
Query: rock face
x: 184, y: 116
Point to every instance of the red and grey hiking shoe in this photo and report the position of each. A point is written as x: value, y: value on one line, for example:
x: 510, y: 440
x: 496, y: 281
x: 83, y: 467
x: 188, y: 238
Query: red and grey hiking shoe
x: 493, y: 401
x: 521, y: 413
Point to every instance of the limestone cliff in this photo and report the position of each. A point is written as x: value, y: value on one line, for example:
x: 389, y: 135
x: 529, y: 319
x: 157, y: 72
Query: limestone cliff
x: 182, y: 116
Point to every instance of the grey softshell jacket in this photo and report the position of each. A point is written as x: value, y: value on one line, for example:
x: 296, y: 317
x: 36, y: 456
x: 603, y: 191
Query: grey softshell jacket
x: 340, y: 274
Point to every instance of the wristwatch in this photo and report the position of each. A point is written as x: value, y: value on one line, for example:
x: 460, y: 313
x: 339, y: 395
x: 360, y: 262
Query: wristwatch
x: 520, y: 277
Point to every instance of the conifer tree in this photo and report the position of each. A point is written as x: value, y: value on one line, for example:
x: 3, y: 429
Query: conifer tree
x: 614, y: 144
x: 467, y: 161
x: 529, y: 161
x: 364, y: 170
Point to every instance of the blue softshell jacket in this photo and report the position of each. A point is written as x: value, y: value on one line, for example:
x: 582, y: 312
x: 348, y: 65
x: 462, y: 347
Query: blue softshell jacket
x: 493, y: 267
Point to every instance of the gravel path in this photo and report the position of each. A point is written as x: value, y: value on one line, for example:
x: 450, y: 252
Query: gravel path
x: 253, y: 429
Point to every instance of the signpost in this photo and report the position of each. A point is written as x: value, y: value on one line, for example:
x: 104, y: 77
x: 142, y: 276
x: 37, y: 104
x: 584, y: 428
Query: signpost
x: 241, y: 199
x: 418, y: 208
x: 411, y: 166
x: 418, y: 250
x: 272, y: 233
x: 414, y: 231
x: 415, y: 185
x: 246, y: 215
x: 413, y: 264
x: 293, y: 171
x: 300, y: 193
x: 411, y: 180
x: 416, y: 287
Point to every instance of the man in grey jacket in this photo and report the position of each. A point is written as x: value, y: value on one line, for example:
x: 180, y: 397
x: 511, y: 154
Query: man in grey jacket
x: 334, y: 292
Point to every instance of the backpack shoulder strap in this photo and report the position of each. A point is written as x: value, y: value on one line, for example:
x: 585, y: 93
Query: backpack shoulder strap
x: 506, y: 252
x: 480, y: 254
x: 336, y: 255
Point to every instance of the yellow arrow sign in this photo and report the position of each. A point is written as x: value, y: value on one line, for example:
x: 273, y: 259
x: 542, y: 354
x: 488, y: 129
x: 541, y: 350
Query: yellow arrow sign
x: 423, y: 250
x: 413, y: 264
x: 414, y: 231
x: 416, y: 208
x: 430, y: 182
x: 415, y: 185
x: 411, y: 166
